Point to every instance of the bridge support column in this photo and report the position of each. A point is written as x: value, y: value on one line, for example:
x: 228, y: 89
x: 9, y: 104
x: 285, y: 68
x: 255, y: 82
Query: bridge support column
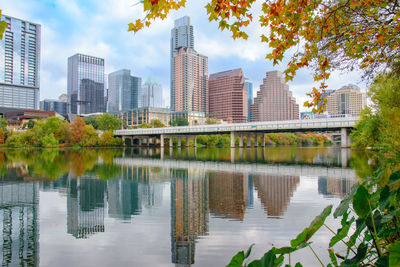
x: 195, y: 141
x: 232, y: 139
x: 140, y: 141
x: 171, y: 142
x: 262, y: 136
x: 123, y: 140
x: 179, y: 141
x: 187, y: 141
x: 148, y: 142
x: 255, y: 140
x: 248, y: 140
x: 241, y: 140
x: 345, y: 138
x: 162, y: 141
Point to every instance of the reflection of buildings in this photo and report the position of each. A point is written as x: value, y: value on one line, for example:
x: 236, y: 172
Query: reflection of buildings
x: 189, y: 214
x: 275, y: 192
x: 19, y: 207
x: 123, y: 198
x: 228, y: 194
x: 85, y: 207
x: 335, y: 186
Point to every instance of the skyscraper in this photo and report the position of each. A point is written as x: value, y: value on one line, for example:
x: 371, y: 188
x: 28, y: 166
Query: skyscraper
x: 19, y: 64
x: 85, y: 84
x: 123, y: 91
x: 346, y: 100
x: 228, y: 96
x: 190, y: 81
x: 189, y: 70
x: 249, y: 87
x: 274, y: 101
x: 152, y: 94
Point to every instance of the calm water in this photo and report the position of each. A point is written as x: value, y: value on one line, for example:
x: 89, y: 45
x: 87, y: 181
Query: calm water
x: 146, y: 207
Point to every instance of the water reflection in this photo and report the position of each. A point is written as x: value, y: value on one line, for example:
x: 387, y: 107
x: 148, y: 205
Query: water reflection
x: 122, y: 185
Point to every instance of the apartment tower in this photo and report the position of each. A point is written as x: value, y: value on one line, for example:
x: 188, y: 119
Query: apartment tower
x: 347, y: 100
x: 189, y: 70
x: 85, y: 84
x: 152, y: 94
x: 19, y: 64
x: 228, y: 96
x: 274, y: 101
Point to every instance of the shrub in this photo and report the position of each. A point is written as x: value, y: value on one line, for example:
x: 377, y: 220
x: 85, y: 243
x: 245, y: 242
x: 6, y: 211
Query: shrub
x: 49, y: 141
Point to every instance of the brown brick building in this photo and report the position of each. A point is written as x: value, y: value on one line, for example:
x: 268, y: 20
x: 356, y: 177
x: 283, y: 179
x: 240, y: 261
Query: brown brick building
x: 274, y: 101
x: 228, y: 96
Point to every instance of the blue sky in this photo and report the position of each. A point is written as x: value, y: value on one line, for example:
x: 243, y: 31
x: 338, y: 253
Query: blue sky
x: 99, y: 28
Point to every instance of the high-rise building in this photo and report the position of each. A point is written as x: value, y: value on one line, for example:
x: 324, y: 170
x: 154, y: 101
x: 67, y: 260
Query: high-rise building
x: 85, y: 84
x: 152, y: 94
x: 181, y: 36
x: 190, y: 89
x: 189, y: 70
x: 347, y: 100
x: 19, y: 64
x: 249, y: 87
x: 228, y: 96
x: 54, y: 105
x: 123, y: 91
x: 274, y: 101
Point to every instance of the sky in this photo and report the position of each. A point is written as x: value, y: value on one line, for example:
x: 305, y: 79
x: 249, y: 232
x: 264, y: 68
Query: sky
x: 99, y: 28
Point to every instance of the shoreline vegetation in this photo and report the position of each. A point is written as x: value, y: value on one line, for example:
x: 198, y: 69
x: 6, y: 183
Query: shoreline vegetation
x: 54, y: 132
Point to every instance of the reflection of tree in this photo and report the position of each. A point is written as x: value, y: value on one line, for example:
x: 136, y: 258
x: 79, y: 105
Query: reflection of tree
x: 82, y: 161
x: 228, y: 193
x: 106, y: 171
x: 275, y: 192
x: 359, y: 162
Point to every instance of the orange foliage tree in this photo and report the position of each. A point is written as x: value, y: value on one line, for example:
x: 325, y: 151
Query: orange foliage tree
x: 77, y: 129
x: 321, y: 34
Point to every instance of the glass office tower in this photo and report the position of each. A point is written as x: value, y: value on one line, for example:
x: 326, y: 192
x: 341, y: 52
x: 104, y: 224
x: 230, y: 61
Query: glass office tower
x: 85, y: 84
x: 124, y: 91
x: 19, y: 64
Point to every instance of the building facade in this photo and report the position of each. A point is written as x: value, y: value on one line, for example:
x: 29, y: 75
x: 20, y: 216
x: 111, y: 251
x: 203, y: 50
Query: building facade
x: 60, y: 107
x: 347, y: 100
x: 274, y: 101
x: 228, y: 96
x: 123, y: 91
x: 181, y: 36
x: 249, y: 87
x: 152, y: 94
x: 190, y: 81
x: 189, y: 70
x: 20, y: 64
x: 85, y: 84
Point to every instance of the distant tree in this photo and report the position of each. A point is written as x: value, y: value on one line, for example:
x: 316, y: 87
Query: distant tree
x: 3, y: 123
x: 91, y: 120
x: 180, y: 122
x: 1, y: 136
x: 90, y: 136
x: 144, y: 125
x: 107, y: 139
x: 65, y: 132
x: 157, y: 124
x: 53, y: 125
x: 77, y: 129
x: 106, y: 122
x: 49, y: 141
x: 211, y: 121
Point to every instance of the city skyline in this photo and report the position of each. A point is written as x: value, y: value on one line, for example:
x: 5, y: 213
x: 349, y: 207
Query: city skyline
x: 115, y: 44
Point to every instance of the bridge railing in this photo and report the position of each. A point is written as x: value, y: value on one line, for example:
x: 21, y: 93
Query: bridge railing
x: 325, y: 123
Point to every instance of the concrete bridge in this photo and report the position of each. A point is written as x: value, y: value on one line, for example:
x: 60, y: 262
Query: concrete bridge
x: 251, y: 129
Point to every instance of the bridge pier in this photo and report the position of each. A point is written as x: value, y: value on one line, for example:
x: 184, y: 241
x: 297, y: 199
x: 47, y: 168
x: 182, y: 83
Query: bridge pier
x: 171, y: 143
x: 179, y: 141
x: 232, y: 139
x: 345, y: 138
x: 241, y: 140
x: 195, y: 141
x: 162, y: 141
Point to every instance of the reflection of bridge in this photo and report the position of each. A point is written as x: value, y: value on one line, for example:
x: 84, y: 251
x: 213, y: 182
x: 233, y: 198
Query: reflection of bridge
x: 271, y: 169
x: 256, y: 129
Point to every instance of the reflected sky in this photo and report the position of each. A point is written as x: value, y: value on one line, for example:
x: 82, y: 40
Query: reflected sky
x: 131, y: 207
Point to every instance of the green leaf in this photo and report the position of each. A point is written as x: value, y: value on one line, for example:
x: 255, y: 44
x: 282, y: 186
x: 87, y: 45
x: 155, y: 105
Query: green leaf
x: 255, y: 263
x: 332, y: 257
x: 298, y: 265
x: 341, y: 233
x: 384, y: 198
x: 382, y: 261
x: 237, y: 260
x: 344, y: 204
x: 283, y: 250
x: 268, y: 259
x: 360, y: 202
x: 394, y: 178
x: 361, y: 252
x: 248, y: 251
x: 394, y: 256
x: 308, y: 232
